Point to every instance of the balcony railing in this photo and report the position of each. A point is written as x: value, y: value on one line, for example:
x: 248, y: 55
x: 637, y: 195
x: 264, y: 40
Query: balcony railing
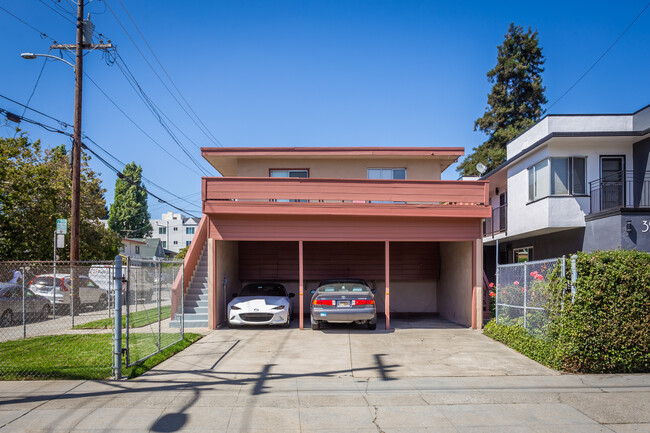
x: 623, y: 189
x: 299, y: 195
x: 498, y: 222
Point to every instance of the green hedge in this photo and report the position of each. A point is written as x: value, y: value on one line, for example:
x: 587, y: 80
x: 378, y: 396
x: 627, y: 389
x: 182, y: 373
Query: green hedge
x: 606, y: 330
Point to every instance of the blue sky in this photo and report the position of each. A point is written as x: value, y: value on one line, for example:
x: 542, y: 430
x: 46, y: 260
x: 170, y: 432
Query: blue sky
x: 309, y: 73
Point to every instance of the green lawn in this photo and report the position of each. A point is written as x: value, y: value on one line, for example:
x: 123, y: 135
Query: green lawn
x: 86, y: 356
x: 136, y: 319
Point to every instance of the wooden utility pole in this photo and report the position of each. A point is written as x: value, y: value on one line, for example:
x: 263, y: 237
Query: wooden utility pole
x: 83, y: 42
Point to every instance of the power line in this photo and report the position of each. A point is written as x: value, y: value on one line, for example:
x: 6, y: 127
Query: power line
x: 62, y: 123
x: 211, y: 136
x: 120, y: 175
x: 214, y: 140
x: 58, y: 12
x: 43, y: 34
x: 599, y: 58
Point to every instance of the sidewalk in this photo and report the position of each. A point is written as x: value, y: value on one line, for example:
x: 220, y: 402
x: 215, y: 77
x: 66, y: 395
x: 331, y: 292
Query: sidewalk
x: 233, y: 381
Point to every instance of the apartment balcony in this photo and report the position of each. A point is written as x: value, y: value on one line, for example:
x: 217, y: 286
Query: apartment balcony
x: 624, y: 189
x: 497, y: 223
x: 351, y: 197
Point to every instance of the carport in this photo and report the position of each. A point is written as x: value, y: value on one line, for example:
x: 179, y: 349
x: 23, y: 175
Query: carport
x: 417, y: 265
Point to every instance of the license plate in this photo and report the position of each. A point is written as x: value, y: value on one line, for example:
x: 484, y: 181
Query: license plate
x: 343, y: 303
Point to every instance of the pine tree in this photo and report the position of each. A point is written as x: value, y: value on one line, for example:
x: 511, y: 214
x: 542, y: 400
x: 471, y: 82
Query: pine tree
x: 129, y: 215
x: 514, y: 104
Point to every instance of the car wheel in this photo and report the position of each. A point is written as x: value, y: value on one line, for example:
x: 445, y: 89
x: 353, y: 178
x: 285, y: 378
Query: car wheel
x: 288, y: 324
x: 7, y: 319
x: 315, y: 324
x: 45, y: 312
x: 102, y: 303
x: 372, y: 326
x: 230, y: 325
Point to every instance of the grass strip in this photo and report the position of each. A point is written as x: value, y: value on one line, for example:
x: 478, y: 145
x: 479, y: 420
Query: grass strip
x: 82, y: 356
x: 137, y: 319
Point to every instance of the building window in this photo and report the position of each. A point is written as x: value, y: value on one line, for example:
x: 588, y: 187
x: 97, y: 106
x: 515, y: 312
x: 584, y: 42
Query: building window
x: 189, y: 231
x: 187, y: 243
x: 164, y: 244
x: 162, y: 230
x: 137, y: 249
x: 387, y: 173
x: 175, y: 229
x: 557, y: 177
x: 175, y: 242
x: 288, y: 173
x: 520, y: 255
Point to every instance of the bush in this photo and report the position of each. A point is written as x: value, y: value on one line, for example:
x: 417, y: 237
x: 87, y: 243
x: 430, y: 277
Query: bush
x: 606, y: 329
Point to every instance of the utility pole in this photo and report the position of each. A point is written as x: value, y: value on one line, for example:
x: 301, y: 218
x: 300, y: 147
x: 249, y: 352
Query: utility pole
x: 84, y: 41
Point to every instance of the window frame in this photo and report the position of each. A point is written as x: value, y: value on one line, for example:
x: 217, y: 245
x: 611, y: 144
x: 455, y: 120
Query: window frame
x: 533, y: 183
x: 392, y: 169
x: 162, y: 230
x: 289, y: 170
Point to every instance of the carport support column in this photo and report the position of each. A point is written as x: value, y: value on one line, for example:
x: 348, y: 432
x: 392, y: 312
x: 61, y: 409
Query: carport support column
x: 213, y: 313
x: 477, y: 286
x: 387, y: 296
x: 300, y: 284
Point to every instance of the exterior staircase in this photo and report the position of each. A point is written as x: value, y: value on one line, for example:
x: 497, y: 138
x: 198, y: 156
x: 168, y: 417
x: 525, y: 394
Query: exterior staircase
x: 195, y: 307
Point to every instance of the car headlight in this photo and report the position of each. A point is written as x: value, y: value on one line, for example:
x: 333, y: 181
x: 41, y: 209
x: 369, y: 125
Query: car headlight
x: 279, y: 307
x: 234, y: 307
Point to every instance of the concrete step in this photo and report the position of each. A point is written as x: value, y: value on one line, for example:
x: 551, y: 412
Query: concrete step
x: 196, y: 316
x: 189, y: 324
x: 196, y: 297
x: 196, y: 310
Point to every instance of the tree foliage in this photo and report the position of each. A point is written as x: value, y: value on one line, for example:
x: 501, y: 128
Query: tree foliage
x: 516, y: 100
x: 35, y: 190
x: 182, y: 253
x: 129, y: 215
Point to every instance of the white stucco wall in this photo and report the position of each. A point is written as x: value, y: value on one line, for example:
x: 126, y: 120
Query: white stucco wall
x: 641, y: 119
x: 528, y: 138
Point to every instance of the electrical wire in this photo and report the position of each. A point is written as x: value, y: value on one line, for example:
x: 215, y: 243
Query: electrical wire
x: 216, y: 142
x: 84, y: 146
x: 38, y: 79
x: 208, y: 134
x: 43, y: 34
x: 599, y: 58
x: 62, y: 123
x: 58, y: 12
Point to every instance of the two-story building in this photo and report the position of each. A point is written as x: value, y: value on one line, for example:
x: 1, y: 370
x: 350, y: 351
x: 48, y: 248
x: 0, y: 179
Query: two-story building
x: 571, y: 183
x: 299, y: 215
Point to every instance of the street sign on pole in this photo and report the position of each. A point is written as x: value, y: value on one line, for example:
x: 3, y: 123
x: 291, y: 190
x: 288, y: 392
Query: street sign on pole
x: 61, y: 226
x: 60, y: 241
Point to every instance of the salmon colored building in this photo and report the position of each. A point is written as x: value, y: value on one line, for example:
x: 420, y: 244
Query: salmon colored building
x: 299, y: 215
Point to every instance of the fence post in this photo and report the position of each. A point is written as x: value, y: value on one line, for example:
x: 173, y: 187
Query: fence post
x: 24, y: 316
x: 525, y: 291
x: 127, y: 301
x: 117, y: 353
x: 563, y: 263
x: 159, y: 290
x: 574, y: 277
x: 183, y: 302
x: 496, y: 300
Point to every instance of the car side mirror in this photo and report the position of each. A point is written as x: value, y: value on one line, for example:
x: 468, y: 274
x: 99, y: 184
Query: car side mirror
x: 234, y: 295
x: 291, y: 295
x: 312, y: 291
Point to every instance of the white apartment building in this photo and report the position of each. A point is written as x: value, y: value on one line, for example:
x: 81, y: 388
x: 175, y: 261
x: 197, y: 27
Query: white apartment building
x: 174, y: 230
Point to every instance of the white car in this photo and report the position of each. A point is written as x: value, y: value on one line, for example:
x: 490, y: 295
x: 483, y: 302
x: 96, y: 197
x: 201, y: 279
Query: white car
x: 57, y: 291
x: 261, y: 304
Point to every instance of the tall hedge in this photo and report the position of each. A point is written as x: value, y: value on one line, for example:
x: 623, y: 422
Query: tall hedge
x: 607, y: 329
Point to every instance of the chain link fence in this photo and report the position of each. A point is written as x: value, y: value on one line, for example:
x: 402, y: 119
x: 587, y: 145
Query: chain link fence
x: 58, y: 320
x: 521, y: 294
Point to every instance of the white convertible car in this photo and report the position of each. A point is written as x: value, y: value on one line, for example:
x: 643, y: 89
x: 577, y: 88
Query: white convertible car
x: 261, y: 304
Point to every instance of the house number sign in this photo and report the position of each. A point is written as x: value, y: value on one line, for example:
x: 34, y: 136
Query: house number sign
x: 646, y: 226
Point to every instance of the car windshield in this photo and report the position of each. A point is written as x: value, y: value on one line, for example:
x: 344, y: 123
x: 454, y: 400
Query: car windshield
x: 263, y: 290
x: 344, y: 287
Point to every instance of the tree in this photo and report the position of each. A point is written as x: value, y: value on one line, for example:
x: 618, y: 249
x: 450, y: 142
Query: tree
x: 35, y: 191
x: 516, y: 100
x: 128, y: 215
x: 182, y: 253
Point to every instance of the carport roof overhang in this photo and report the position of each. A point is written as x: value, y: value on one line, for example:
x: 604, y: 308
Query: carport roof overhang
x: 225, y: 159
x: 340, y: 227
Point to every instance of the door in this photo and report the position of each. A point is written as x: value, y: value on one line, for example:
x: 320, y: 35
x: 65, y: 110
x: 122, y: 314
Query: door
x: 612, y: 182
x: 503, y: 211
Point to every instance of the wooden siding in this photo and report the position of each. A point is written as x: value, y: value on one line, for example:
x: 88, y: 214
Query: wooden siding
x: 279, y: 260
x: 342, y: 228
x: 422, y: 192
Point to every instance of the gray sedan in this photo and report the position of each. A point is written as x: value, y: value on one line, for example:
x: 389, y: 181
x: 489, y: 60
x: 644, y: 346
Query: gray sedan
x: 11, y: 305
x: 343, y: 302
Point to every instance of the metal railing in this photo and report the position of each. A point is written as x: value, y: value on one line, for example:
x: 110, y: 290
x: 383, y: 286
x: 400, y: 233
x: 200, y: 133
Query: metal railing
x: 498, y: 223
x: 630, y: 189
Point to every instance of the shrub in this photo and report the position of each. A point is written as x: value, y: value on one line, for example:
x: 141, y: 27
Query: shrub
x: 607, y: 329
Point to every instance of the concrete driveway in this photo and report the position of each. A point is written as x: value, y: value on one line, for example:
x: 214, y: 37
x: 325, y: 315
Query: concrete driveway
x: 425, y: 376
